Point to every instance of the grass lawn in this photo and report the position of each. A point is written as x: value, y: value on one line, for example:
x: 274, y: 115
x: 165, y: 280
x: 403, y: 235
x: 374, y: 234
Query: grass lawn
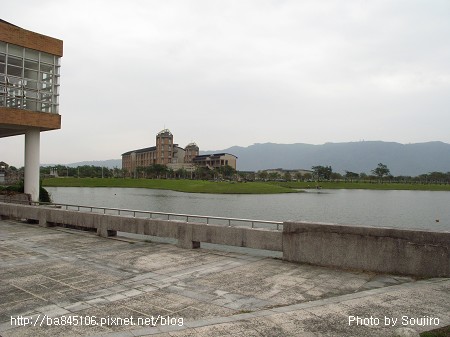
x: 202, y: 186
x: 181, y: 185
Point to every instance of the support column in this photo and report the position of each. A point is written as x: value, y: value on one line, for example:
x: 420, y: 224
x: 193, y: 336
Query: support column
x: 32, y: 150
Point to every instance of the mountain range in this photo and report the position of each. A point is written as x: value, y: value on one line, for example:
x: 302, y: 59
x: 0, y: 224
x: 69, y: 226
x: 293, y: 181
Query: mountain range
x: 401, y: 159
x: 358, y: 157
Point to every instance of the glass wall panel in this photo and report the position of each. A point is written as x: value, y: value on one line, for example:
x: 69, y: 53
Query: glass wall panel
x: 44, y: 86
x: 14, y: 81
x: 13, y: 102
x: 14, y: 71
x: 47, y: 58
x: 46, y: 97
x: 31, y: 54
x: 31, y: 74
x: 31, y: 82
x: 15, y: 61
x: 46, y: 77
x: 31, y: 94
x: 30, y: 105
x: 46, y: 107
x: 34, y: 65
x: 46, y: 68
x: 15, y: 50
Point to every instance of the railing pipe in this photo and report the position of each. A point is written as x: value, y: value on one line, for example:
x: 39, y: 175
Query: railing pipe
x: 188, y: 217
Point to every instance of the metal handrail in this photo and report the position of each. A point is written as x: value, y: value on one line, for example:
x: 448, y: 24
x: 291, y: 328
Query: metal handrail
x: 151, y: 213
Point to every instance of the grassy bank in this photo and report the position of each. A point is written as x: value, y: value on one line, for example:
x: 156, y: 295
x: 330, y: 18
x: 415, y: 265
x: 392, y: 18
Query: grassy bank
x: 201, y: 186
x: 366, y: 186
x: 192, y: 186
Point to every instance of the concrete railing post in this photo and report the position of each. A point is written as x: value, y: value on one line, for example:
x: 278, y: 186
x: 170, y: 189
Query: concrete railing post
x: 185, y: 235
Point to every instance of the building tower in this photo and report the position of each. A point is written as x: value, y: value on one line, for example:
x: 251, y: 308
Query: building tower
x: 192, y: 151
x: 29, y: 92
x: 164, y: 147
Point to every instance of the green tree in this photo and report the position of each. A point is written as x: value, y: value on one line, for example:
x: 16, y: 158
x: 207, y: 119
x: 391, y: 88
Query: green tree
x: 274, y: 176
x: 227, y: 171
x: 322, y: 172
x: 336, y: 176
x: 298, y: 176
x: 203, y: 173
x: 181, y: 173
x: 307, y: 176
x: 287, y: 176
x: 381, y: 171
x: 351, y: 175
x: 262, y: 175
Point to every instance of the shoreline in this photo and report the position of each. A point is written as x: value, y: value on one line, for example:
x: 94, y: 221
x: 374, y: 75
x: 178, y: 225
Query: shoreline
x: 232, y: 187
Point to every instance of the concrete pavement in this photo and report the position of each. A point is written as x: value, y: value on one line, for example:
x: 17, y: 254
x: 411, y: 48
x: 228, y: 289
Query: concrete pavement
x: 61, y: 282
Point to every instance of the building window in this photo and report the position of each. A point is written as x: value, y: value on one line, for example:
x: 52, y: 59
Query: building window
x: 29, y: 79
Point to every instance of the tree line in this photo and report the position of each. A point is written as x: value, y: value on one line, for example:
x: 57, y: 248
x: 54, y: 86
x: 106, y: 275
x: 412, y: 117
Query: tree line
x: 155, y: 171
x: 381, y: 173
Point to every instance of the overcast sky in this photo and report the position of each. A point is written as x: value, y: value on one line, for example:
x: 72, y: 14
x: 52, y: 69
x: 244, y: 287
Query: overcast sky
x: 225, y: 73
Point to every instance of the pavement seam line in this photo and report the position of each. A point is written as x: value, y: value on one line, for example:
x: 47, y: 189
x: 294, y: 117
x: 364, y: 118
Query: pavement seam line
x: 311, y: 304
x: 28, y: 292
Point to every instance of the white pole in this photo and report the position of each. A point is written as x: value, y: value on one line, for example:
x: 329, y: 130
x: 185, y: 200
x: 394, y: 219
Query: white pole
x: 32, y: 149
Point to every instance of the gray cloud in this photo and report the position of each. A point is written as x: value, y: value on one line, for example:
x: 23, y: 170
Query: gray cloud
x: 226, y: 73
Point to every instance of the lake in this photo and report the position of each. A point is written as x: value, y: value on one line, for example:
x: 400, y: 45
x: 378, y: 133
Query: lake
x: 399, y: 209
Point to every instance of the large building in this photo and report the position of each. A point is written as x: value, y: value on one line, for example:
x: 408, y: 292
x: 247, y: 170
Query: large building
x: 29, y: 92
x: 173, y: 156
x: 164, y: 153
x: 215, y: 160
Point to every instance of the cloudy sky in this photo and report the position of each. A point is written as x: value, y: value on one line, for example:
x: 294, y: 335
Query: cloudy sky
x: 224, y: 73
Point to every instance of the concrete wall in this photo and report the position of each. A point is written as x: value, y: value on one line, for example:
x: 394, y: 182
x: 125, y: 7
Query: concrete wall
x: 189, y: 235
x: 382, y: 250
x: 12, y: 197
x: 385, y: 250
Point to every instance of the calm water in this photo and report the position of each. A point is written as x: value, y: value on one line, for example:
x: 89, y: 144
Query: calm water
x: 401, y: 209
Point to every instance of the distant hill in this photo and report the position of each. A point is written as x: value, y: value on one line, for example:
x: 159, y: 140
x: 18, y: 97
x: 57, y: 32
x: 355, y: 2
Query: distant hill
x: 110, y: 163
x: 401, y: 159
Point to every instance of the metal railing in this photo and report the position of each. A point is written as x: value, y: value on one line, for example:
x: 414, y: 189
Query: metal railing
x: 231, y: 222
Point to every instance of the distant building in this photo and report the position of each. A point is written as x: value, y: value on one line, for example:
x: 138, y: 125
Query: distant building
x: 215, y: 160
x: 9, y: 174
x: 3, y: 168
x: 164, y: 153
x: 173, y: 156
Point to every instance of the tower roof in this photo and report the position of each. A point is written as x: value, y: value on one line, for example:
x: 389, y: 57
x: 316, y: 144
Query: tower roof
x: 191, y: 145
x: 165, y: 132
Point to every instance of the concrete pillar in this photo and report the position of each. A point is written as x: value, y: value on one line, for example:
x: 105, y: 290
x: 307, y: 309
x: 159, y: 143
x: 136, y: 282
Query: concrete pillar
x: 185, y: 234
x: 32, y: 149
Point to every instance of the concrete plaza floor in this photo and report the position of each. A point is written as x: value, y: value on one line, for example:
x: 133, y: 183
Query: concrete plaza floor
x: 62, y: 282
